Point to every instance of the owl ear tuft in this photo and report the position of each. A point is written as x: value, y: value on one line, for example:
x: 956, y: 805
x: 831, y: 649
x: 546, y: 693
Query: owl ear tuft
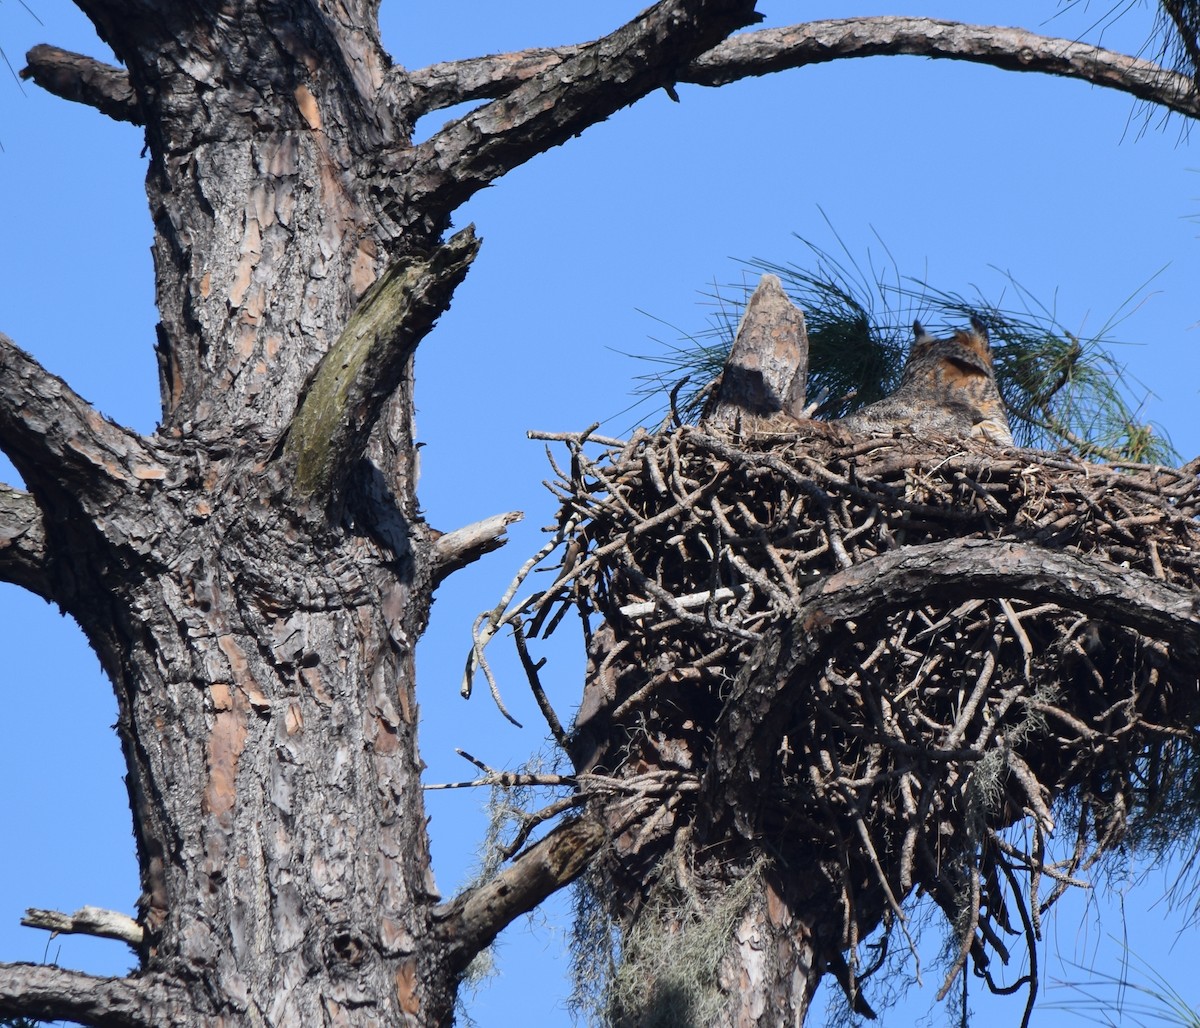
x: 979, y: 327
x: 919, y: 332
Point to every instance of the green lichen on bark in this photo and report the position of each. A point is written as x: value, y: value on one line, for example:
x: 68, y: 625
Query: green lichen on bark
x: 365, y: 365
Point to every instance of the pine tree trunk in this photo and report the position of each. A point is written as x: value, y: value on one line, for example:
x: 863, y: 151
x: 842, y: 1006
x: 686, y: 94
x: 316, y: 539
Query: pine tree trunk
x: 255, y: 575
x: 263, y: 656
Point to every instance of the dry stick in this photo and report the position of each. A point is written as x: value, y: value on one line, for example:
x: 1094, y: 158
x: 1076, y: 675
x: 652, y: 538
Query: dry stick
x: 644, y: 607
x: 562, y: 475
x: 989, y: 501
x: 1031, y: 938
x: 967, y: 713
x: 476, y: 761
x: 852, y: 803
x: 530, y: 821
x: 535, y: 684
x: 779, y: 599
x: 909, y: 844
x: 578, y: 438
x: 1155, y: 561
x: 495, y: 618
x: 1022, y: 638
x: 650, y: 464
x: 835, y: 542
x: 1084, y: 732
x: 968, y: 935
x: 639, y: 697
x: 480, y: 662
x: 506, y: 780
x: 1032, y: 789
x: 849, y: 921
x: 611, y: 488
x: 647, y: 584
x: 1035, y: 877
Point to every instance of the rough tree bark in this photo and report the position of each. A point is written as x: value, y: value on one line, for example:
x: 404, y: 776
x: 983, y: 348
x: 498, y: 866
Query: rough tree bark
x: 255, y: 574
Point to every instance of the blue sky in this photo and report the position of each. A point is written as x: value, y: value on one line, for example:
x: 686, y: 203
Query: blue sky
x: 968, y: 175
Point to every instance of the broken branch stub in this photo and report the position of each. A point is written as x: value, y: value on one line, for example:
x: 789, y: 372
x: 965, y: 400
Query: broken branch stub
x: 767, y: 370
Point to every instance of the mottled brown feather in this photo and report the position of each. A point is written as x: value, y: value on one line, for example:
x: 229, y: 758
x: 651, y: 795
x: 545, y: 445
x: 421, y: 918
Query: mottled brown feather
x: 948, y: 388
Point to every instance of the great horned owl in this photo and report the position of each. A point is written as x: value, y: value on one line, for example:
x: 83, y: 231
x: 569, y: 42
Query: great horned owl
x: 948, y: 388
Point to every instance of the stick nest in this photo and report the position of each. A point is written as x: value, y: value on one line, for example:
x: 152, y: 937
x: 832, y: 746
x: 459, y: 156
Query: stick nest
x: 985, y: 750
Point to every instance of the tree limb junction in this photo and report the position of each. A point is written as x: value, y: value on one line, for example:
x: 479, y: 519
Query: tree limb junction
x: 57, y: 440
x: 475, y: 917
x: 358, y: 375
x: 797, y: 46
x: 595, y: 81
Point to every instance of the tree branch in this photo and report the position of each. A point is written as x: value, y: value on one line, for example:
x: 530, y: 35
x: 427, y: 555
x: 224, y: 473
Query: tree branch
x: 817, y: 42
x: 1012, y: 49
x: 362, y: 369
x: 57, y: 440
x: 942, y: 572
x: 481, y: 78
x: 105, y: 924
x: 23, y: 553
x: 475, y: 917
x: 560, y: 102
x: 455, y: 550
x: 83, y: 80
x: 55, y: 993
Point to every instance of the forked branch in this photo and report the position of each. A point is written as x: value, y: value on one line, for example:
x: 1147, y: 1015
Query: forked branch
x: 818, y: 42
x: 56, y: 994
x: 548, y: 109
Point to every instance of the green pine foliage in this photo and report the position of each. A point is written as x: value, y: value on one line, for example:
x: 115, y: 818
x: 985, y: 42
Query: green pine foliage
x: 1062, y: 389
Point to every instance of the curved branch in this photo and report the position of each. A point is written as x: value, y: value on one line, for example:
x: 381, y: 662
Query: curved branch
x: 472, y: 920
x: 942, y: 572
x: 83, y: 80
x: 23, y: 555
x: 595, y: 81
x: 1012, y: 49
x: 355, y: 379
x: 55, y: 993
x: 57, y: 440
x: 817, y: 42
